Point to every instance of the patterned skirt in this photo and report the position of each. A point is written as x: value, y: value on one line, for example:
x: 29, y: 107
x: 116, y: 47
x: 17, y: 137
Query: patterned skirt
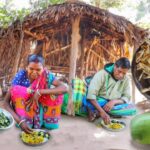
x: 37, y: 116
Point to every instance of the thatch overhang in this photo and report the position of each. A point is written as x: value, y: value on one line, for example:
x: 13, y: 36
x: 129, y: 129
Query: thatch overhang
x: 104, y: 37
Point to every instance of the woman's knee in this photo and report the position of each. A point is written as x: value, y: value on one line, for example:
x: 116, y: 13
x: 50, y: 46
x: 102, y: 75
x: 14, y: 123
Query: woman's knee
x: 51, y: 126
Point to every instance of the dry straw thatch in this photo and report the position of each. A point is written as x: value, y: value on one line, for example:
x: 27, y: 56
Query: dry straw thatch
x: 103, y: 37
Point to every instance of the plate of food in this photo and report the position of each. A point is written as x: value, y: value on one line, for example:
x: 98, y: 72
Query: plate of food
x: 6, y: 119
x: 115, y: 125
x: 36, y: 138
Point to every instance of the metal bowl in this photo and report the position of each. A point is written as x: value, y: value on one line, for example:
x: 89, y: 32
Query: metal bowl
x: 9, y: 116
x: 111, y: 129
x: 36, y: 130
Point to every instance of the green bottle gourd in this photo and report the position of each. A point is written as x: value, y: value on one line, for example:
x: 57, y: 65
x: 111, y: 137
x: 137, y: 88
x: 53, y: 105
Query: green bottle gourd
x: 140, y: 128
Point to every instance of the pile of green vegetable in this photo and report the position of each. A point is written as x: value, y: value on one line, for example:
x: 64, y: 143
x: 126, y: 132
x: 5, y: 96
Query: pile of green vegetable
x: 4, y: 120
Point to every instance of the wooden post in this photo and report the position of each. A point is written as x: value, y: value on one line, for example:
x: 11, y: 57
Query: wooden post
x: 82, y: 63
x: 75, y: 39
x: 82, y: 57
x: 133, y: 91
x: 87, y: 63
x: 133, y: 84
x: 17, y: 60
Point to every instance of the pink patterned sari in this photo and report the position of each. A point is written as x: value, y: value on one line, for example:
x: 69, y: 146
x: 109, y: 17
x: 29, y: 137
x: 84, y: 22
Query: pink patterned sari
x: 44, y: 112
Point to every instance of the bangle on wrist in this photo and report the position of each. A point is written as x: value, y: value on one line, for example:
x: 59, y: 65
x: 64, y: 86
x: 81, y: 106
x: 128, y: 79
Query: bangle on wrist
x: 38, y: 92
x: 30, y: 91
x: 21, y: 122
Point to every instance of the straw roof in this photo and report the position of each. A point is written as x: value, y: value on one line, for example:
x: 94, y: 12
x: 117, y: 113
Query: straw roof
x: 104, y: 38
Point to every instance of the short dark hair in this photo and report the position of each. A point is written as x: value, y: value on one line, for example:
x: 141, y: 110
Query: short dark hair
x: 35, y: 58
x: 123, y: 62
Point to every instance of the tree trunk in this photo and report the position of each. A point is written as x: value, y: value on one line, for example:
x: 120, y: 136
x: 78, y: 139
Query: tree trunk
x: 75, y: 37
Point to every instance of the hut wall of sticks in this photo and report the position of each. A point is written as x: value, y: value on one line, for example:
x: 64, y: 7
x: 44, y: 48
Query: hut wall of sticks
x: 78, y: 39
x: 141, y: 68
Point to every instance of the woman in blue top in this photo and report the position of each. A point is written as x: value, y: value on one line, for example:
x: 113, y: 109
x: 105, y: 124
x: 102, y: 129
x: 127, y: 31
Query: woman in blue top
x: 34, y: 102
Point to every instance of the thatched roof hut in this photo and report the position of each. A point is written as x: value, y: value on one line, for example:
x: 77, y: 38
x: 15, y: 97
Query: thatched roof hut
x: 79, y: 38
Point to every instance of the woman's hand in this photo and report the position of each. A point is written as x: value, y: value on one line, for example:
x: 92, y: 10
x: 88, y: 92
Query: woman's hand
x: 105, y: 117
x: 109, y: 106
x: 26, y: 128
x: 36, y: 97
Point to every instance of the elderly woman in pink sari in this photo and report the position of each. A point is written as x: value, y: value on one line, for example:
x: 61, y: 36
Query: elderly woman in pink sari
x: 31, y: 99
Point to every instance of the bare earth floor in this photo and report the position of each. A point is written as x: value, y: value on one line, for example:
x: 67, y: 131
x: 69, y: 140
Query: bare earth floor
x: 75, y: 133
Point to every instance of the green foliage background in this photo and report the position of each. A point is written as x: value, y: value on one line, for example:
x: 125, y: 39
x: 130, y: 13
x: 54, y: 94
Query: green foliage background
x: 8, y: 13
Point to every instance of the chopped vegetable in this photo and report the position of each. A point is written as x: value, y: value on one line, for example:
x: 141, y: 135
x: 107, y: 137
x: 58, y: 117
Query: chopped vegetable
x: 36, y: 137
x: 4, y: 120
x: 115, y: 126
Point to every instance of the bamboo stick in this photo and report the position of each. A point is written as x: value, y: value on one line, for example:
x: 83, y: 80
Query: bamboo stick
x: 88, y: 55
x: 107, y: 51
x: 57, y: 50
x: 96, y: 54
x: 37, y: 36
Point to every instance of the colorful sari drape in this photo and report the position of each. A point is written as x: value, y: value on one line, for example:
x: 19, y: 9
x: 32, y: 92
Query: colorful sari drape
x: 46, y: 112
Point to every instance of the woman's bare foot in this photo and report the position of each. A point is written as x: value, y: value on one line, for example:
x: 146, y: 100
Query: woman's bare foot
x: 91, y: 115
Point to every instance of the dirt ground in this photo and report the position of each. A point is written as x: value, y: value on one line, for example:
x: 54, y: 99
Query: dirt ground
x: 76, y: 133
